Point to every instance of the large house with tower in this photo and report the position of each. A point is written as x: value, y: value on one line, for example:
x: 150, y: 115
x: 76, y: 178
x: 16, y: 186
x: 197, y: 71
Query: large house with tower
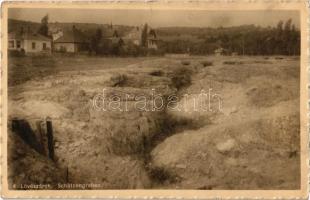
x: 135, y: 36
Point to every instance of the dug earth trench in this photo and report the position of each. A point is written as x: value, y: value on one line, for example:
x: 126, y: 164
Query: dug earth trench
x: 248, y: 131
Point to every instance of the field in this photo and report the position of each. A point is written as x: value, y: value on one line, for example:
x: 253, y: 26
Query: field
x: 248, y: 138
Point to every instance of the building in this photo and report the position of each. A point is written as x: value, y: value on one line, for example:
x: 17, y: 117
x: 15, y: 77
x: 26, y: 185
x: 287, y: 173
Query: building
x: 56, y: 34
x: 152, y: 39
x: 219, y: 51
x: 135, y: 37
x: 116, y: 41
x: 71, y: 41
x: 113, y: 37
x: 29, y: 43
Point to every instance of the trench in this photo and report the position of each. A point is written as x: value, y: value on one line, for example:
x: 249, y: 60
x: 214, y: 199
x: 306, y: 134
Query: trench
x: 139, y: 148
x: 169, y: 127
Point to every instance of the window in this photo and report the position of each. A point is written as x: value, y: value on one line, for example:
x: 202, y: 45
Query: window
x: 44, y: 46
x: 33, y: 45
x: 11, y: 44
x: 18, y: 43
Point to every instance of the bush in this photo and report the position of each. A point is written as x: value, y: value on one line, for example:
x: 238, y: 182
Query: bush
x: 185, y: 62
x: 206, y: 63
x: 155, y: 52
x: 16, y: 53
x: 181, y: 77
x: 233, y: 62
x: 118, y: 80
x: 157, y: 73
x: 161, y: 175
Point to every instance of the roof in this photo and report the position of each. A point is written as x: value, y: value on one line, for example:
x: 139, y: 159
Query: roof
x: 152, y: 34
x: 28, y: 36
x: 72, y: 36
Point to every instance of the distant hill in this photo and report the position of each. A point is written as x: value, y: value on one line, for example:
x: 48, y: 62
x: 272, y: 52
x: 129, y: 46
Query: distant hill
x: 16, y: 25
x: 88, y: 28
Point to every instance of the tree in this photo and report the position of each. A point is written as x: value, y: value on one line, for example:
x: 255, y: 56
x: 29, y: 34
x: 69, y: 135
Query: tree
x: 287, y: 26
x: 43, y: 30
x: 287, y: 37
x: 95, y: 41
x: 280, y: 26
x: 144, y: 36
x: 98, y: 34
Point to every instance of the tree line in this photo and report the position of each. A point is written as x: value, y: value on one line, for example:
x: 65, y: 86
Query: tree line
x: 284, y: 39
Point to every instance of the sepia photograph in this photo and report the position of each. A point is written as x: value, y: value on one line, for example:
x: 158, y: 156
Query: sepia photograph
x: 153, y: 99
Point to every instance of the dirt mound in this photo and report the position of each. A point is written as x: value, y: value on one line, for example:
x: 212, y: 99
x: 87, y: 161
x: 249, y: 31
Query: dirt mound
x: 215, y: 153
x: 39, y: 109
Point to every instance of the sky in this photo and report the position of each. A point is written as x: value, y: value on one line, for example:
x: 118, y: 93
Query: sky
x: 158, y: 18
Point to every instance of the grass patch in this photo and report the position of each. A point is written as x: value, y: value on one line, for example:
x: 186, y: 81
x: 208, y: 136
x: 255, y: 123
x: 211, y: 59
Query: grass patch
x: 22, y: 69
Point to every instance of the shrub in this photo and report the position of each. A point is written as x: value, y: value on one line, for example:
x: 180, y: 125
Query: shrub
x: 161, y: 175
x: 16, y: 53
x: 206, y: 63
x: 155, y: 52
x: 118, y: 80
x: 185, y: 62
x: 181, y: 77
x: 157, y: 73
x: 233, y: 62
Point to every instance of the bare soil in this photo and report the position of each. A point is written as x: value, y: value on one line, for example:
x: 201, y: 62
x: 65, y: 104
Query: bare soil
x: 252, y: 143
